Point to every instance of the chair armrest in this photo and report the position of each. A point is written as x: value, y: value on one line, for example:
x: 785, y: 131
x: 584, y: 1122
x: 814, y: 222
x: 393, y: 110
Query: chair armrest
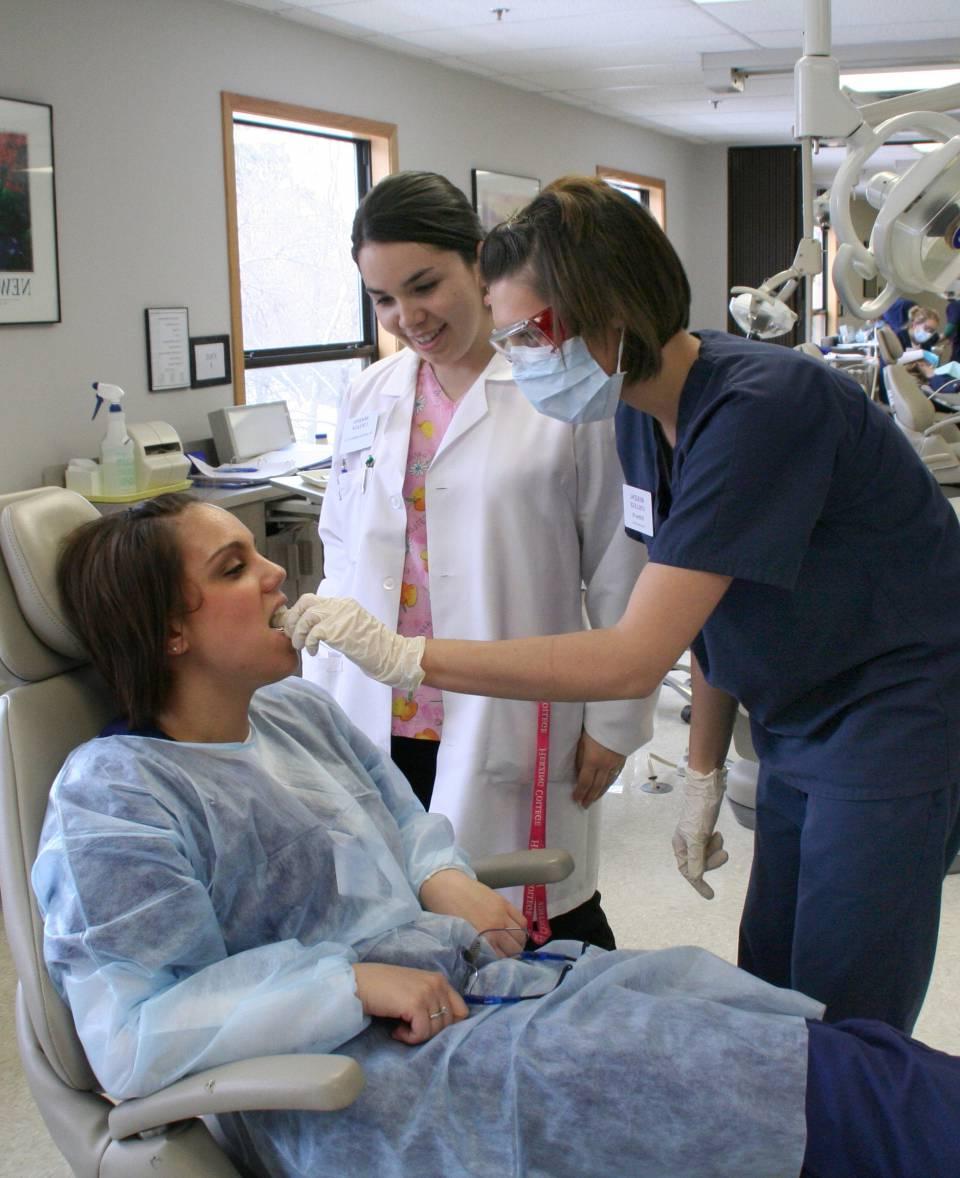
x: 523, y: 867
x: 320, y: 1083
x: 939, y: 425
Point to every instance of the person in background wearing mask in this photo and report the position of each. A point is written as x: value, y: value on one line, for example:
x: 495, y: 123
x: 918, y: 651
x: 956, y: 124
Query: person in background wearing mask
x: 791, y: 535
x: 459, y: 510
x: 922, y: 329
x: 895, y: 315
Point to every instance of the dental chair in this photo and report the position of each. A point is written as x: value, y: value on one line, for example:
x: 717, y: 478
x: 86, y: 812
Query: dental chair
x: 889, y: 347
x: 51, y: 700
x: 935, y: 437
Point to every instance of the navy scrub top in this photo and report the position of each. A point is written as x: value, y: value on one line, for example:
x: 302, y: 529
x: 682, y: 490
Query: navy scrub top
x: 952, y: 315
x: 837, y: 633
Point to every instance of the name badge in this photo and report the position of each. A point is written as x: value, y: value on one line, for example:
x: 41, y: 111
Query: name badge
x: 638, y: 510
x: 358, y: 432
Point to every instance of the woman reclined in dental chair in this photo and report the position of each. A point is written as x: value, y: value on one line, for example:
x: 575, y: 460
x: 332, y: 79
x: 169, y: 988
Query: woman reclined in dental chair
x: 234, y: 870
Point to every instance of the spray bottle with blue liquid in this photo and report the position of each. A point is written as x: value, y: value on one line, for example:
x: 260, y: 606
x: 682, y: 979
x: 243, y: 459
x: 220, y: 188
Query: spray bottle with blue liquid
x: 117, y: 462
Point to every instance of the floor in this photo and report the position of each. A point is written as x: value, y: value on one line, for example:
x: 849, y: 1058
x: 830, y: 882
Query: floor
x: 649, y: 906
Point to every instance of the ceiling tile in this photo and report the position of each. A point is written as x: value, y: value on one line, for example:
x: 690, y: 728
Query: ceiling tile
x: 640, y: 60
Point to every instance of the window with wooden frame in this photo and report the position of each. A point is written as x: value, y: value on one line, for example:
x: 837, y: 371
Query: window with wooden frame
x: 645, y: 190
x: 302, y: 328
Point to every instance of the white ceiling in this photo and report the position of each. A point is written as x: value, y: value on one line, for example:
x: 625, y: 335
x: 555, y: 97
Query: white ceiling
x: 660, y: 64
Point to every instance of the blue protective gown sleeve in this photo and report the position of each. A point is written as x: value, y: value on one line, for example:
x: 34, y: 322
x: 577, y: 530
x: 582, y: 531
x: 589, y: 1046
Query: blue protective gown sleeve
x: 153, y: 867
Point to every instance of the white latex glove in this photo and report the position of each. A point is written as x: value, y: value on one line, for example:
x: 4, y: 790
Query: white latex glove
x: 341, y: 623
x: 697, y: 846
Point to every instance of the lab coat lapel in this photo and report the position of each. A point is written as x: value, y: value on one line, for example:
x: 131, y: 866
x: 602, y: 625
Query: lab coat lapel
x: 474, y: 407
x: 393, y: 440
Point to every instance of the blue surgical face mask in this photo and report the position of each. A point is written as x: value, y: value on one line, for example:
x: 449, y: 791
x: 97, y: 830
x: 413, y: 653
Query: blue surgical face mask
x: 567, y: 383
x: 921, y: 335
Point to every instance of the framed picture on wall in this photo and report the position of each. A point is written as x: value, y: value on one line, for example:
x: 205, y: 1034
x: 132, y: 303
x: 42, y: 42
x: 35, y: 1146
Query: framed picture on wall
x: 209, y: 360
x: 29, y: 277
x: 497, y: 195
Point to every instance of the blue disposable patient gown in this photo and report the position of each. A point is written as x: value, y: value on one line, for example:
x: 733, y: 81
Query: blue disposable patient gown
x: 204, y: 903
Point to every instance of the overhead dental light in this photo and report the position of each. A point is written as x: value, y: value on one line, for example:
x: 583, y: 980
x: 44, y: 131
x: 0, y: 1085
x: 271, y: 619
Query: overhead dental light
x: 761, y: 311
x: 914, y: 246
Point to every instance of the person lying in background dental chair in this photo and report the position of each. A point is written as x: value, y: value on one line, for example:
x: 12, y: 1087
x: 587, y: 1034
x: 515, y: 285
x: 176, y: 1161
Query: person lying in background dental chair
x: 236, y: 870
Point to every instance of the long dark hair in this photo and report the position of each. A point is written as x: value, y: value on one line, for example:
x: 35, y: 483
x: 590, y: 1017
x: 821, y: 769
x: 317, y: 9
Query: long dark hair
x: 422, y: 207
x: 597, y: 258
x: 121, y: 583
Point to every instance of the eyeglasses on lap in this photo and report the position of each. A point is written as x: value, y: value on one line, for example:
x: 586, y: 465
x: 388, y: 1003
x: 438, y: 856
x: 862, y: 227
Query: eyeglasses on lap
x: 539, y: 331
x: 478, y: 951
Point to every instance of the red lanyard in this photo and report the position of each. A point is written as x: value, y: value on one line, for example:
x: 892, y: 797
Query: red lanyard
x: 535, y: 895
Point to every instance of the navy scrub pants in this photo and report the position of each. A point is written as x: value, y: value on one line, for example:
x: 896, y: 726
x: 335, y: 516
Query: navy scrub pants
x: 844, y: 897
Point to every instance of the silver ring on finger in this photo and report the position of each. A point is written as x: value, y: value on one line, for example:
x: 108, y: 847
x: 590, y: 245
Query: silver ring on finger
x: 439, y: 1013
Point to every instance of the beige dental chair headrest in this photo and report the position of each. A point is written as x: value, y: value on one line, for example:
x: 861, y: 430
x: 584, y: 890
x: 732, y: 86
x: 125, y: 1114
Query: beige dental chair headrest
x: 35, y: 641
x: 912, y: 408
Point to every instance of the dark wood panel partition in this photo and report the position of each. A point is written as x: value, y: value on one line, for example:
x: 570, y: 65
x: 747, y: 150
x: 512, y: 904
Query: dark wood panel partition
x: 764, y: 220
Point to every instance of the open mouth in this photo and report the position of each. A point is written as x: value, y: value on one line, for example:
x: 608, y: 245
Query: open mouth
x: 427, y: 340
x: 276, y: 618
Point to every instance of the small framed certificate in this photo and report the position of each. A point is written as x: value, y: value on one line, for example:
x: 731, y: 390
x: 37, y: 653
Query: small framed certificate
x: 168, y: 348
x: 209, y: 360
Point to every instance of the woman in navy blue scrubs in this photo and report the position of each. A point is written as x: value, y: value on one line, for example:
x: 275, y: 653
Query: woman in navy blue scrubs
x: 796, y: 545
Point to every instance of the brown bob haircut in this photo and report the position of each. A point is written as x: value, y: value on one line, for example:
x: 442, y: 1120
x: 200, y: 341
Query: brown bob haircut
x: 598, y: 259
x: 121, y: 585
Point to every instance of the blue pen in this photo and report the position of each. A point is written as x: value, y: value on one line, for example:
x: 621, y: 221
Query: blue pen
x: 238, y: 469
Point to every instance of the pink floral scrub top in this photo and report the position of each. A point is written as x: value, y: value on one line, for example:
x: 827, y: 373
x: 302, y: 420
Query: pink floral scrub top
x: 420, y: 713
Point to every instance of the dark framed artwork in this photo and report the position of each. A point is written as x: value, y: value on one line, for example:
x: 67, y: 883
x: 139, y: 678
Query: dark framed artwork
x: 209, y: 360
x: 29, y: 275
x: 498, y: 195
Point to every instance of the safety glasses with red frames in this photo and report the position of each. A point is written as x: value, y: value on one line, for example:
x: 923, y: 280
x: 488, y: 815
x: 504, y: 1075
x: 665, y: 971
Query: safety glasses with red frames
x: 539, y: 331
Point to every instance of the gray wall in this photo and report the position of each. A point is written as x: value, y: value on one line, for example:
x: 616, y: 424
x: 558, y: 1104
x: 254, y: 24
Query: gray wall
x: 135, y: 86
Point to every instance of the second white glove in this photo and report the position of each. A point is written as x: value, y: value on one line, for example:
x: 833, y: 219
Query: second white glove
x: 696, y: 844
x: 339, y: 622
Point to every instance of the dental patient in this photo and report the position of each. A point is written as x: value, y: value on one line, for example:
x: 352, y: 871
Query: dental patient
x: 234, y: 870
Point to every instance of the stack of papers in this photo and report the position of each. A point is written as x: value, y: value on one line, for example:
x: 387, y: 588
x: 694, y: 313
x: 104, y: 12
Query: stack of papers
x: 262, y: 467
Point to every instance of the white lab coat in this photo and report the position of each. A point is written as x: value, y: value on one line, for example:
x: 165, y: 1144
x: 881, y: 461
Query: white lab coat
x: 521, y: 510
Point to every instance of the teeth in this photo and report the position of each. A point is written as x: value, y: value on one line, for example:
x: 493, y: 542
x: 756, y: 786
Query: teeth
x: 425, y: 339
x: 276, y: 622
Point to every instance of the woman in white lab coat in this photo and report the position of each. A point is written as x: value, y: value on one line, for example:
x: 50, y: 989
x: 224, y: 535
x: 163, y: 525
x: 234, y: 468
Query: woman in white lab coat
x: 454, y: 508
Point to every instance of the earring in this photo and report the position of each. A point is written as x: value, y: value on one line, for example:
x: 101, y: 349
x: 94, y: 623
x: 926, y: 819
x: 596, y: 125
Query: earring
x: 174, y: 648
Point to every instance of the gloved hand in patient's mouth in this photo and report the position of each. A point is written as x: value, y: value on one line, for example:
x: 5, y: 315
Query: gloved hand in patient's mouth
x: 340, y: 623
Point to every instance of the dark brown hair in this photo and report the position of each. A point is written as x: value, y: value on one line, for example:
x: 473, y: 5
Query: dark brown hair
x: 421, y: 207
x: 121, y: 584
x: 597, y: 258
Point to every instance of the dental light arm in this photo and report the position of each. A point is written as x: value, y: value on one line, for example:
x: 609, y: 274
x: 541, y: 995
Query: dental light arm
x: 762, y: 311
x: 915, y: 242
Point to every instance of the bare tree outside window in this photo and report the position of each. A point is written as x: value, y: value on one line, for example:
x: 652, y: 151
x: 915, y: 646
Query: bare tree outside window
x: 303, y: 329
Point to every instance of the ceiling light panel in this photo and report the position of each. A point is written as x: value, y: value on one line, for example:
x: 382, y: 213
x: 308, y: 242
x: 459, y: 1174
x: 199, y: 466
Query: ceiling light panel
x: 898, y: 81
